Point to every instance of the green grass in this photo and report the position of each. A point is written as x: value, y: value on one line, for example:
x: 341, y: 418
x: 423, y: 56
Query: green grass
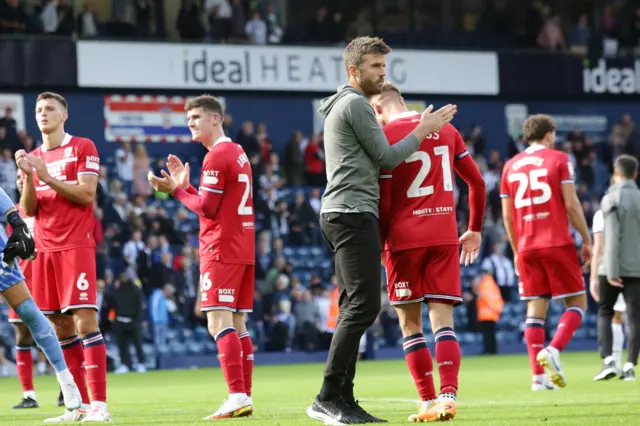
x: 493, y: 391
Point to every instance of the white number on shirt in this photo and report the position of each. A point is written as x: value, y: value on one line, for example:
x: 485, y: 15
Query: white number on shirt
x: 82, y: 283
x: 415, y: 189
x: 205, y: 282
x: 243, y: 209
x: 530, y: 180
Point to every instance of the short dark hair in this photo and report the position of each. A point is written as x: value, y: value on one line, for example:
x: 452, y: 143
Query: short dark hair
x: 537, y: 126
x: 206, y: 102
x: 628, y: 166
x: 359, y: 47
x: 51, y: 95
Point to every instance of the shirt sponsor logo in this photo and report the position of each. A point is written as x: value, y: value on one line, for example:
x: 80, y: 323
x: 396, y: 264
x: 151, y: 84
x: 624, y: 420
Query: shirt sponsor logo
x: 210, y: 177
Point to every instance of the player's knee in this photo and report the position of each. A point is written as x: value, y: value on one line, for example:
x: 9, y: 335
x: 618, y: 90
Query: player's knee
x: 579, y: 301
x: 239, y: 322
x: 537, y: 308
x: 440, y: 315
x: 218, y: 321
x: 23, y: 335
x: 86, y: 321
x: 63, y: 325
x: 410, y: 318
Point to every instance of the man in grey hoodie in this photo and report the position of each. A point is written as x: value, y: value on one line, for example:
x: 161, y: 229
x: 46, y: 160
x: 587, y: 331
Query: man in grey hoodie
x: 355, y: 150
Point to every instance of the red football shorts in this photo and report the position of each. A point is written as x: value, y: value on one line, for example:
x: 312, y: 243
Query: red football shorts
x: 552, y: 272
x: 430, y: 274
x: 226, y: 286
x: 65, y: 280
x: 27, y: 271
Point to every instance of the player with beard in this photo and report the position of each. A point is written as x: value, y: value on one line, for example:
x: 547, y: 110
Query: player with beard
x: 356, y: 149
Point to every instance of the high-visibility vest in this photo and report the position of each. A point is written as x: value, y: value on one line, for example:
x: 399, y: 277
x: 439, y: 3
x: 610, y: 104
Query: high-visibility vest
x: 334, y: 309
x: 489, y: 300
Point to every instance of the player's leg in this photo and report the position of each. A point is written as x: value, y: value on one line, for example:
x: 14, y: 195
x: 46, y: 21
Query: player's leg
x: 534, y: 289
x: 442, y: 291
x: 220, y: 291
x: 24, y: 363
x: 608, y: 297
x: 19, y: 298
x: 245, y: 305
x: 77, y: 291
x: 632, y: 298
x: 617, y: 329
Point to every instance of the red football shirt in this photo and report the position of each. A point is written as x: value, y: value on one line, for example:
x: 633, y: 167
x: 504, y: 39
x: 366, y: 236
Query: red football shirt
x: 533, y: 180
x: 230, y: 236
x: 417, y: 202
x: 61, y: 223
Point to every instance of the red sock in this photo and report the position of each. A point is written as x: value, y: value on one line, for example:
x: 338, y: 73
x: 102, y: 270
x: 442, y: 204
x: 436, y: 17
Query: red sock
x: 230, y: 355
x: 74, y: 357
x: 95, y: 354
x: 569, y: 323
x: 448, y: 358
x: 24, y: 365
x: 534, y: 336
x: 247, y: 360
x: 420, y: 363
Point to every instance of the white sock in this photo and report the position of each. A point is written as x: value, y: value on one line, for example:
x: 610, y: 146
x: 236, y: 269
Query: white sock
x: 29, y: 394
x: 540, y: 378
x: 618, y: 342
x: 64, y: 377
x: 237, y: 397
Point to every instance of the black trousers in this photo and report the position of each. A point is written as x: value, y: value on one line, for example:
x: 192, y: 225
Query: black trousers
x: 355, y: 240
x: 127, y: 333
x: 489, y: 330
x: 608, y: 296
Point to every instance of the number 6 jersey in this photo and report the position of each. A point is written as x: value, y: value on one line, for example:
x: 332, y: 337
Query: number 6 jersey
x: 417, y: 200
x: 533, y: 181
x: 228, y: 237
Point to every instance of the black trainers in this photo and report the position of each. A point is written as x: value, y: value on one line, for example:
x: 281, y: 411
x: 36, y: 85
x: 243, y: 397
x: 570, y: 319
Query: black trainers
x: 60, y: 402
x: 27, y: 403
x: 608, y: 371
x: 333, y: 413
x: 629, y: 375
x: 362, y: 413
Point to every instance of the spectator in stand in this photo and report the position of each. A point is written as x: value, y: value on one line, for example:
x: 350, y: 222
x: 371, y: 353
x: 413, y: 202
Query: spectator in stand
x: 14, y: 19
x: 124, y: 167
x: 581, y: 36
x: 264, y: 143
x: 314, y: 160
x: 307, y: 317
x: 8, y: 174
x: 304, y: 223
x: 159, y: 315
x: 87, y: 22
x: 188, y: 22
x: 238, y: 23
x: 256, y: 29
x: 294, y: 160
x: 219, y: 13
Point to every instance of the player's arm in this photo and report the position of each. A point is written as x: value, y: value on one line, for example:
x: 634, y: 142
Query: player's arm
x: 468, y: 170
x: 385, y: 204
x: 360, y: 116
x: 28, y: 198
x: 83, y: 193
x: 574, y: 210
x: 507, y: 211
x: 207, y: 202
x: 598, y: 239
x: 612, y: 237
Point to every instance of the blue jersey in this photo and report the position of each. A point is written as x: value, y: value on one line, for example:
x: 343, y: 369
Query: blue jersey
x: 9, y: 275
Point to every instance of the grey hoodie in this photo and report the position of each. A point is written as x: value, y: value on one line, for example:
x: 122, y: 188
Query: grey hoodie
x: 355, y: 149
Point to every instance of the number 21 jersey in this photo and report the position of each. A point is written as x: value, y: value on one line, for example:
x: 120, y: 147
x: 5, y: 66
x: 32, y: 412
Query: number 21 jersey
x: 533, y: 181
x: 230, y: 236
x: 417, y: 201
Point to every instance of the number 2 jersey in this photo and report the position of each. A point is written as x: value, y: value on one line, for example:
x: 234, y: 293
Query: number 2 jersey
x: 417, y: 201
x: 229, y: 236
x: 533, y: 181
x: 61, y: 223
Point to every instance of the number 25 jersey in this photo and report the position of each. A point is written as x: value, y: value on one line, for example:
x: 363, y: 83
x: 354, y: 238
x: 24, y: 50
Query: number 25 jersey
x: 417, y: 201
x: 230, y: 236
x: 533, y: 181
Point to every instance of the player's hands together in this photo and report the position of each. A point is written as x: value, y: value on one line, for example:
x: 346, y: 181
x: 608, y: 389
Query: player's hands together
x: 431, y: 122
x: 179, y: 172
x: 20, y: 243
x: 162, y: 184
x: 22, y: 162
x: 470, y: 242
x: 594, y: 289
x: 39, y: 166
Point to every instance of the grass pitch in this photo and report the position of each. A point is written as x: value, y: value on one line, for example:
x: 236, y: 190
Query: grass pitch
x: 493, y: 391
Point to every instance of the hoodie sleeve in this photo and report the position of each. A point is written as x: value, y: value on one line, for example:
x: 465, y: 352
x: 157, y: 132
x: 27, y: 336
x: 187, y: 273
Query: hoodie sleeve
x: 360, y: 116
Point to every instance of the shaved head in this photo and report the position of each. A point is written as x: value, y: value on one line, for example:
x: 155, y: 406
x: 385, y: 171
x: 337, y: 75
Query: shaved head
x: 388, y: 101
